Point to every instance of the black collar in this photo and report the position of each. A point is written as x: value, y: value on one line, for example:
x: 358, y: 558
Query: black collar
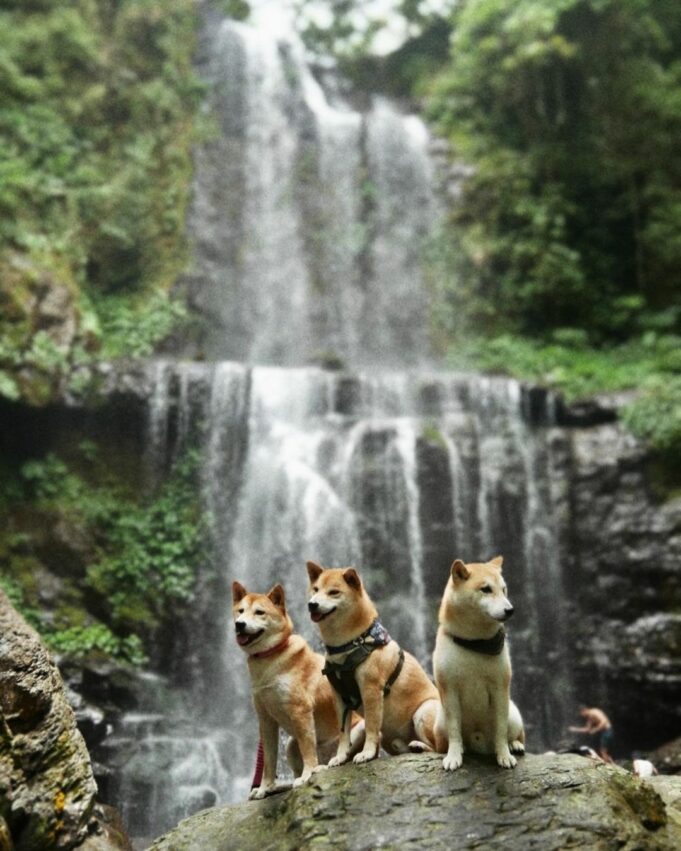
x: 488, y: 646
x: 376, y: 635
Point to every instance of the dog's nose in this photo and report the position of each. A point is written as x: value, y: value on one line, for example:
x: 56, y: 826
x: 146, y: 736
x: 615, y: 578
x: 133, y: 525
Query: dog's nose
x: 312, y: 607
x: 240, y: 626
x: 508, y: 611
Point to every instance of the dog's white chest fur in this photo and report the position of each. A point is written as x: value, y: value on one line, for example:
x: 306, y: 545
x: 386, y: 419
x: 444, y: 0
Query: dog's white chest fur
x: 475, y: 679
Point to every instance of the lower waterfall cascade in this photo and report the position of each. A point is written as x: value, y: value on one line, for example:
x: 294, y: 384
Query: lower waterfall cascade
x: 396, y: 473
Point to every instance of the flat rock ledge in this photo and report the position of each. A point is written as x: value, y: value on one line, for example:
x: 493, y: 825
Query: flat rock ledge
x: 548, y: 802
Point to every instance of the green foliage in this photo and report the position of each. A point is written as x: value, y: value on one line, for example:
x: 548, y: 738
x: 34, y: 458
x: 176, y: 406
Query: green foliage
x: 134, y: 329
x: 389, y: 50
x: 656, y: 415
x: 569, y: 364
x: 237, y: 9
x: 98, y: 102
x: 142, y: 562
x: 152, y: 551
x: 15, y: 593
x: 568, y: 114
x: 78, y: 641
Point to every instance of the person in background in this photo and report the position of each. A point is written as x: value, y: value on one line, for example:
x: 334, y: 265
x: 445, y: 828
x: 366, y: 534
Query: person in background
x: 598, y: 724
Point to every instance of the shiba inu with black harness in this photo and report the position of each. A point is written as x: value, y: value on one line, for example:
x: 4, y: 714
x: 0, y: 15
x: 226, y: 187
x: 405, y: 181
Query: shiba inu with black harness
x: 368, y: 670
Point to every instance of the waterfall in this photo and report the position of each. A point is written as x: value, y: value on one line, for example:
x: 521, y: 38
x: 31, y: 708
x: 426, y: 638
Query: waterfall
x: 309, y: 217
x: 309, y: 221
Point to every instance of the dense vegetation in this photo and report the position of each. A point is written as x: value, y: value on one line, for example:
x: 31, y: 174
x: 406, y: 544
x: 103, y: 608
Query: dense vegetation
x: 123, y: 564
x: 97, y: 114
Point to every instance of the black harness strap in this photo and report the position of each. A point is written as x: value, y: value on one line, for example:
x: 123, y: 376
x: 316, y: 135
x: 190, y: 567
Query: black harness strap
x: 390, y: 682
x: 342, y: 677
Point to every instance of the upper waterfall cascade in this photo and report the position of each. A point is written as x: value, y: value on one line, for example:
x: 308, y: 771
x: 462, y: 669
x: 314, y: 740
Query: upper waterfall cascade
x: 309, y: 225
x: 310, y: 219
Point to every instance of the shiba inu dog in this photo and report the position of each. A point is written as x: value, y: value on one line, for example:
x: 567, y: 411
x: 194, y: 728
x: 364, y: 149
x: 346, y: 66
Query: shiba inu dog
x: 391, y: 690
x: 289, y: 690
x: 473, y: 668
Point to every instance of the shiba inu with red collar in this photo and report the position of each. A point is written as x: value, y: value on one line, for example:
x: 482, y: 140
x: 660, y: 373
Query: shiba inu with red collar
x: 371, y: 673
x: 289, y: 690
x: 472, y: 667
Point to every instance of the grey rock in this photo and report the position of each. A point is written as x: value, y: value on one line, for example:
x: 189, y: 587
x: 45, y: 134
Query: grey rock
x: 547, y: 802
x: 47, y: 789
x: 667, y: 758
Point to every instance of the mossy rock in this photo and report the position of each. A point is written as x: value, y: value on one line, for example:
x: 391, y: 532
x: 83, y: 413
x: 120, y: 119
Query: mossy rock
x: 547, y: 802
x: 44, y: 323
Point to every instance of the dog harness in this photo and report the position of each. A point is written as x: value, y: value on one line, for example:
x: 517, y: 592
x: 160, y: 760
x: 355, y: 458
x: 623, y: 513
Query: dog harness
x: 487, y: 646
x: 342, y: 674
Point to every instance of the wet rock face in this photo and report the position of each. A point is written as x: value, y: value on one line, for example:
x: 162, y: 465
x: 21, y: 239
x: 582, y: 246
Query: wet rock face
x: 622, y: 566
x: 46, y: 785
x: 548, y: 802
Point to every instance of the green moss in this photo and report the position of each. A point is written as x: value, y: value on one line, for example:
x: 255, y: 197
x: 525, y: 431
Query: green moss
x: 432, y: 434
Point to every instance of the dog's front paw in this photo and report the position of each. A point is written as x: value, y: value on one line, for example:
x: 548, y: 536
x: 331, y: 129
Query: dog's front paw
x: 452, y: 761
x: 365, y: 756
x: 261, y: 792
x: 505, y: 760
x: 339, y: 759
x: 517, y: 747
x: 319, y: 768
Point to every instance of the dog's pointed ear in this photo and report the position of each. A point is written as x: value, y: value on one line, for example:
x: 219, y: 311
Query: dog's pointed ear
x: 314, y: 570
x: 352, y: 578
x: 238, y: 592
x: 497, y: 561
x: 460, y: 572
x: 278, y: 597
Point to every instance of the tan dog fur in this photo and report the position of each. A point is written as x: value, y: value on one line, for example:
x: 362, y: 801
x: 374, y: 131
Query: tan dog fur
x: 477, y: 712
x: 410, y: 710
x: 289, y: 689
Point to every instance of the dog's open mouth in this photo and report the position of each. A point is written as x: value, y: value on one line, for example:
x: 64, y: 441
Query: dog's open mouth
x: 319, y: 616
x: 243, y: 639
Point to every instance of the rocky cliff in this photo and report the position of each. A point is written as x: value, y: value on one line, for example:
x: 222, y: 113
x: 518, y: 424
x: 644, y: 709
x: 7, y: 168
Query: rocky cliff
x: 47, y: 790
x: 621, y: 566
x: 547, y: 802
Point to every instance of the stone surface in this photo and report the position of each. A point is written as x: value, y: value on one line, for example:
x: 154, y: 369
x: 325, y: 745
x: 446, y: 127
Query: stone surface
x: 547, y: 802
x: 621, y: 566
x: 667, y: 758
x: 669, y: 789
x: 47, y: 790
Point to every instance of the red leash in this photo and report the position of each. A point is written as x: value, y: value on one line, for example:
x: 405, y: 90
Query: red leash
x: 259, y: 766
x: 260, y: 758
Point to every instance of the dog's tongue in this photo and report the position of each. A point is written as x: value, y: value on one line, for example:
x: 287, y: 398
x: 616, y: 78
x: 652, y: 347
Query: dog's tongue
x: 316, y: 616
x: 242, y: 639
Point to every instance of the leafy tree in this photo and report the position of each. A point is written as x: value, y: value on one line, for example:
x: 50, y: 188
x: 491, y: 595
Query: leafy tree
x: 569, y: 113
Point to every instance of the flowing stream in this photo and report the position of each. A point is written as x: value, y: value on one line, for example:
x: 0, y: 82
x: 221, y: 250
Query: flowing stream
x: 309, y: 222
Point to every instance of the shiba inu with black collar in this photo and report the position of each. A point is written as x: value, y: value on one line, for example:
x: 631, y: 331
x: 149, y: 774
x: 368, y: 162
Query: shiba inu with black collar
x: 289, y: 690
x: 472, y: 667
x: 371, y: 673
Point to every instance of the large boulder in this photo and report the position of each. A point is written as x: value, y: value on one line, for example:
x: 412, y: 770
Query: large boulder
x: 547, y: 802
x: 47, y: 790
